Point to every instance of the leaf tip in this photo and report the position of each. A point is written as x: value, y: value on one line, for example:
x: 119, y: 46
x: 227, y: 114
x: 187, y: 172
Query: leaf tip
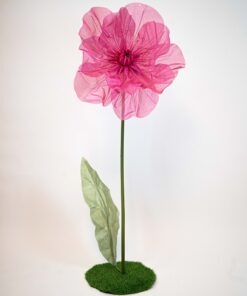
x: 83, y: 161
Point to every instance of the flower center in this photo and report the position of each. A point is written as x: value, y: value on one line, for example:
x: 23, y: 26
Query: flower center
x: 125, y: 58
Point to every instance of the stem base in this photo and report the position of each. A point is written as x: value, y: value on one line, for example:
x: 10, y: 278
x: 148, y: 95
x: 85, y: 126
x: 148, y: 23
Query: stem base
x: 107, y: 278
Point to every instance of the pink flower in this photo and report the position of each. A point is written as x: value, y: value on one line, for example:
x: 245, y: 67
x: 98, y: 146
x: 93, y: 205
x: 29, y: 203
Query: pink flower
x: 128, y: 59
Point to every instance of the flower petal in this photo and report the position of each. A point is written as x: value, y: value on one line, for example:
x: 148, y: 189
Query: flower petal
x: 139, y: 104
x: 92, y: 89
x: 141, y: 14
x: 92, y: 66
x: 152, y: 41
x: 92, y: 22
x: 92, y: 69
x: 92, y: 47
x: 173, y: 57
x: 162, y: 77
x: 117, y: 31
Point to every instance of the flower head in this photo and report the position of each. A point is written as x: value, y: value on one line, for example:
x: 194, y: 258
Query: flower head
x: 128, y: 59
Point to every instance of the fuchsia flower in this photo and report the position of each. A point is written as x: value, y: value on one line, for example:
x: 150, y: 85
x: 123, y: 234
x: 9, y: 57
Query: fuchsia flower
x: 128, y: 59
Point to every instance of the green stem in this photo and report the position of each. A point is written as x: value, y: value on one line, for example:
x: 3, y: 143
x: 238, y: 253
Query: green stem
x: 122, y: 199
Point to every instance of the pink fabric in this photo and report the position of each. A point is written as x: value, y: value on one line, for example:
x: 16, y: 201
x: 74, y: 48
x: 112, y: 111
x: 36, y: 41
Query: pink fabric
x: 127, y: 59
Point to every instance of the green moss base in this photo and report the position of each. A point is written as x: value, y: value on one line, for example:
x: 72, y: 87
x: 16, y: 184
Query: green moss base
x: 107, y: 278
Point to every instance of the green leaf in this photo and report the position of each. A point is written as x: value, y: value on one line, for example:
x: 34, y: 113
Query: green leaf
x: 103, y: 211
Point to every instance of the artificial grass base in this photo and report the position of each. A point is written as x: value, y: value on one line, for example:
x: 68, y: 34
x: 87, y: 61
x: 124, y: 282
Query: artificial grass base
x: 107, y: 278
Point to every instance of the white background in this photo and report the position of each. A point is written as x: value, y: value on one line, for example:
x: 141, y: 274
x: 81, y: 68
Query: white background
x: 186, y: 189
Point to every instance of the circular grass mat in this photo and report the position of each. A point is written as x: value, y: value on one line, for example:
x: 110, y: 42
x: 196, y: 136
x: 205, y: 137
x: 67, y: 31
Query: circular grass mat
x: 107, y: 278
